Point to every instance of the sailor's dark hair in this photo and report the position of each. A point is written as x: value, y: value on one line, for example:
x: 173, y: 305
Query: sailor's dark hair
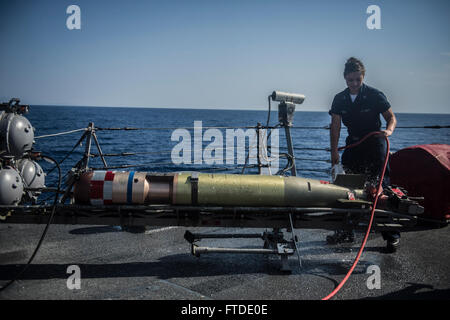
x: 354, y: 65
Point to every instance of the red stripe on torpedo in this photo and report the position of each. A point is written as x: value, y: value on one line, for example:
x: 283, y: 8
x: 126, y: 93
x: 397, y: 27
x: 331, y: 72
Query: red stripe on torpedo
x: 96, y: 190
x: 109, y: 176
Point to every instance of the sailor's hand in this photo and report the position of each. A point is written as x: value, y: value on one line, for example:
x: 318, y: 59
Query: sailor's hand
x: 334, y: 157
x: 385, y: 133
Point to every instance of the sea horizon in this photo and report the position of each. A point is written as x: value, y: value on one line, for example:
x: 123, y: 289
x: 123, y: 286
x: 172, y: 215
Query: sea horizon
x: 209, y: 108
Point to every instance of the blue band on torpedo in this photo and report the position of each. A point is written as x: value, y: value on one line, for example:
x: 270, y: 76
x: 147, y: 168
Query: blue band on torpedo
x: 130, y: 187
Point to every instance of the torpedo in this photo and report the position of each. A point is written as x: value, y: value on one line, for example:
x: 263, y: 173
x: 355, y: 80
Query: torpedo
x: 111, y: 187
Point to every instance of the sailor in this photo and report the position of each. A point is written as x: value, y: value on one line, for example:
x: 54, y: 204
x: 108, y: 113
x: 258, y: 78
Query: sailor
x: 359, y: 107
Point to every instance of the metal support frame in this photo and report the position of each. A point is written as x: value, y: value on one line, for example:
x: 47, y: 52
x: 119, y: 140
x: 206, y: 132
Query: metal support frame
x: 83, y: 164
x: 213, y: 216
x: 89, y: 135
x: 274, y: 243
x: 285, y: 117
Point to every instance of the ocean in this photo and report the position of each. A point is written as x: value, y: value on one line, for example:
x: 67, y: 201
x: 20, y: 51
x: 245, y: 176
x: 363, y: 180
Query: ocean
x: 153, y: 149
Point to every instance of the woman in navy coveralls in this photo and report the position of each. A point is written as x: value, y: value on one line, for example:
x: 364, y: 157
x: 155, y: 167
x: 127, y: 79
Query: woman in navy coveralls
x: 359, y: 107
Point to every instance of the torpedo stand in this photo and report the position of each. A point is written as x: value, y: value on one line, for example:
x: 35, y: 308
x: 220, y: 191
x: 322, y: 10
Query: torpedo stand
x: 274, y: 241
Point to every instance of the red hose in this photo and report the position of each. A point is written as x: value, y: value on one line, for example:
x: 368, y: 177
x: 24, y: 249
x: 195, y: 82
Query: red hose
x: 372, y: 214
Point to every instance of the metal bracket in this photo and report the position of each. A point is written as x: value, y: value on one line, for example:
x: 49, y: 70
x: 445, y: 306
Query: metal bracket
x: 194, y: 188
x: 274, y: 243
x: 284, y: 250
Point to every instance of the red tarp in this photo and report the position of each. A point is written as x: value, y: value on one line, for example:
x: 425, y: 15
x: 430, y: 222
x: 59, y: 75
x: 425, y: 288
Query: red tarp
x: 424, y: 170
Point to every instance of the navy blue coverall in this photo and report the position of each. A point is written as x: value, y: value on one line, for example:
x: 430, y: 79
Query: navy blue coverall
x: 362, y: 117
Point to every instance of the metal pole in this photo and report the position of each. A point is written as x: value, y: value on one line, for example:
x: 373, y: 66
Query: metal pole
x: 294, y: 239
x: 191, y: 237
x: 258, y: 146
x: 87, y: 152
x: 99, y: 149
x: 199, y: 250
x: 287, y: 129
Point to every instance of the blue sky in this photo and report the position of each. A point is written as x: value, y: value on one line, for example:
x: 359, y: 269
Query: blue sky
x: 222, y: 54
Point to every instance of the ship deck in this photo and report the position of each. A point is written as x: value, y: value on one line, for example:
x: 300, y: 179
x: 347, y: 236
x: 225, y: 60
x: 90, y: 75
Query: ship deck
x: 157, y: 264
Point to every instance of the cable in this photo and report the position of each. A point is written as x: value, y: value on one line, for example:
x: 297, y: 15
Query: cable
x: 372, y: 214
x: 173, y: 128
x: 45, y: 230
x: 268, y: 114
x: 327, y: 127
x: 289, y: 165
x: 248, y: 154
x: 124, y: 154
x: 263, y: 138
x: 60, y: 133
x: 67, y: 155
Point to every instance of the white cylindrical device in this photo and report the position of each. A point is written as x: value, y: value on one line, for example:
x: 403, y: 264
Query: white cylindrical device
x: 288, y: 97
